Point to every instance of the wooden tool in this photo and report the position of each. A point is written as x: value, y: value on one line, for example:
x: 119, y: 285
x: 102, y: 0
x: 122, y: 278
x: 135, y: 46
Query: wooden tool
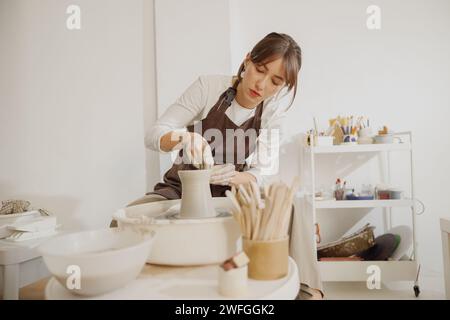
x: 263, y: 219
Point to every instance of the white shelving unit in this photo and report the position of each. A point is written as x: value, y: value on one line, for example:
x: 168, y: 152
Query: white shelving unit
x: 362, y: 148
x: 333, y: 204
x: 404, y: 270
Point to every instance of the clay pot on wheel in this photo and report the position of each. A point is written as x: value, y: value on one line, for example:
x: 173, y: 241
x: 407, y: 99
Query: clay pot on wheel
x: 196, y: 198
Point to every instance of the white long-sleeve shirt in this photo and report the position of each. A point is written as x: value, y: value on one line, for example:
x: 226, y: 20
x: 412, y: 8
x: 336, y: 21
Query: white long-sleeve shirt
x: 194, y: 104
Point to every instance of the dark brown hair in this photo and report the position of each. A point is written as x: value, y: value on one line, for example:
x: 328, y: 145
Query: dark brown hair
x: 274, y: 46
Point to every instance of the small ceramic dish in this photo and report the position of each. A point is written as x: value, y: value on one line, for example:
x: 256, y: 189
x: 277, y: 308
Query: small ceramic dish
x: 354, y: 197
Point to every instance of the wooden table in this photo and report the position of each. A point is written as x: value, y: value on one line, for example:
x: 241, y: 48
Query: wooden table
x: 182, y: 283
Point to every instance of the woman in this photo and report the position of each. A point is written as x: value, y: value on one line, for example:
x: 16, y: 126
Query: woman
x: 200, y: 121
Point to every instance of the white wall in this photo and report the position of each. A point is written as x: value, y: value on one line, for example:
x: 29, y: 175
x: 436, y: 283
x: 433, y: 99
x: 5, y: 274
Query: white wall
x: 71, y: 107
x: 193, y: 38
x: 398, y: 76
x: 74, y: 104
x: 152, y: 159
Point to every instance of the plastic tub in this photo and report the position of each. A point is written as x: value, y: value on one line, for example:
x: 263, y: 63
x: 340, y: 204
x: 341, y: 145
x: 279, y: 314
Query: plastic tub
x: 184, y: 242
x: 103, y: 260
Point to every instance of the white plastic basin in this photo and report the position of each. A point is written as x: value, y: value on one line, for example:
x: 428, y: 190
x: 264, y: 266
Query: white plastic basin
x: 106, y: 259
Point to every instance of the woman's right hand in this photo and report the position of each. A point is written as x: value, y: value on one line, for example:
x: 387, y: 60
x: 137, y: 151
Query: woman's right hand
x: 197, y: 150
x: 195, y: 147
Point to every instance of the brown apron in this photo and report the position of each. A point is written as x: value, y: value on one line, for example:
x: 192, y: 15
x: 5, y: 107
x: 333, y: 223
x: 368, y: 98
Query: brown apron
x: 218, y: 120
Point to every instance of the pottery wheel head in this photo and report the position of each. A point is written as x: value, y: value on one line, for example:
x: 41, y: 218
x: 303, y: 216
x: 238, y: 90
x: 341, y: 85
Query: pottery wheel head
x: 175, y: 215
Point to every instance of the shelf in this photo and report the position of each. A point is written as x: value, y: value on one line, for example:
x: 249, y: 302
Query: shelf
x: 405, y: 270
x: 358, y: 270
x: 406, y: 146
x: 335, y: 204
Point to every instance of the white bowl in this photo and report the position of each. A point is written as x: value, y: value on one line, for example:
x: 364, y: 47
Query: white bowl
x: 406, y: 241
x: 184, y: 242
x: 107, y: 259
x: 387, y: 138
x: 365, y: 140
x: 323, y: 141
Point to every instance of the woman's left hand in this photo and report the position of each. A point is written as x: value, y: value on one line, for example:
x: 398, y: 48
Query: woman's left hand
x: 222, y: 174
x: 242, y: 178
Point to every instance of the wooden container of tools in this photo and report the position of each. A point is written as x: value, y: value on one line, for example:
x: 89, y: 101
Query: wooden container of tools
x: 264, y: 223
x: 268, y: 259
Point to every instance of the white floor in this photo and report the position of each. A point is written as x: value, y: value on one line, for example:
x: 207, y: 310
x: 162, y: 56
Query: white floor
x: 359, y: 291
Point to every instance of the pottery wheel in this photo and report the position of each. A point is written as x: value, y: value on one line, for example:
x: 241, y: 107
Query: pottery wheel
x: 173, y: 213
x: 181, y: 241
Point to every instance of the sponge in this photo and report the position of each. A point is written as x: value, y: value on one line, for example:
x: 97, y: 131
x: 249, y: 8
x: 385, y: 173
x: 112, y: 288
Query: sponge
x: 240, y: 259
x: 237, y: 261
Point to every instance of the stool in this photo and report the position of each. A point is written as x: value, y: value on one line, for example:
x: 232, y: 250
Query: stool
x: 20, y: 265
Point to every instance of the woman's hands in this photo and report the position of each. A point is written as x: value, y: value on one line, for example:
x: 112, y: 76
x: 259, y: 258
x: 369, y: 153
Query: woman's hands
x: 197, y: 150
x: 242, y: 178
x: 199, y: 153
x: 194, y: 145
x: 225, y: 175
x: 222, y: 174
